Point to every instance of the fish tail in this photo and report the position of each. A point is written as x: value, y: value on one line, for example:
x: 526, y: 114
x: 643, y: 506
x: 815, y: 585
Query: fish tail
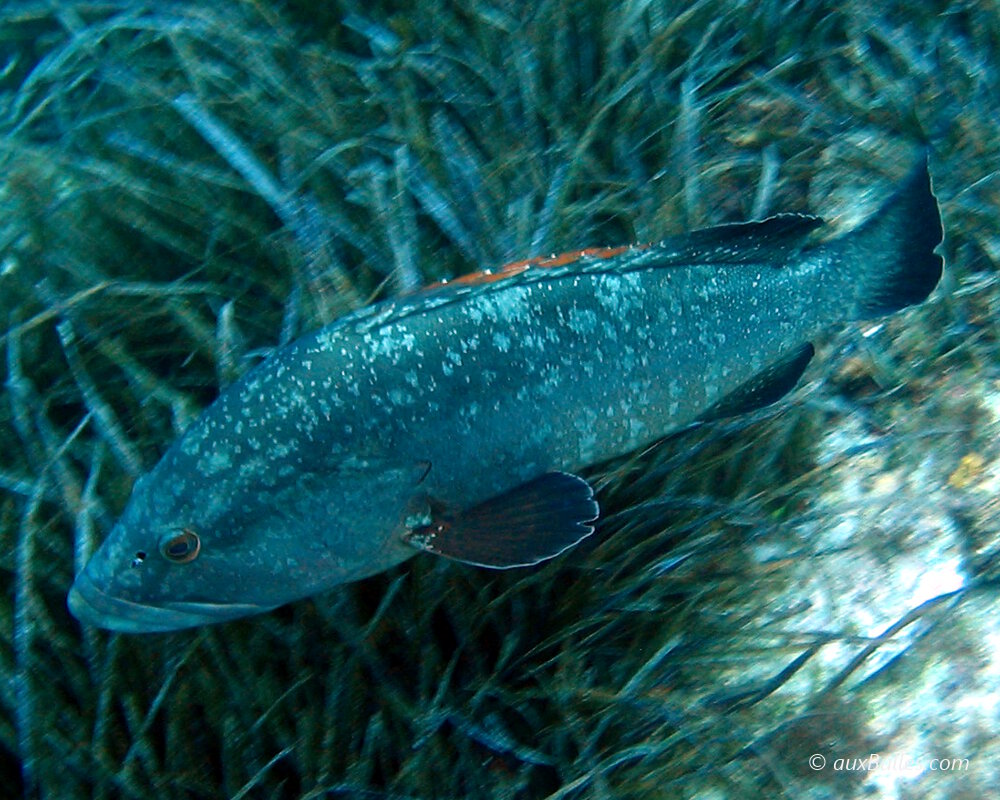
x: 894, y: 249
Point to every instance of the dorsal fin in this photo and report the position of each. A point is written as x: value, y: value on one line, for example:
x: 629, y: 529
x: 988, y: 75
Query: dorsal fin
x: 771, y: 241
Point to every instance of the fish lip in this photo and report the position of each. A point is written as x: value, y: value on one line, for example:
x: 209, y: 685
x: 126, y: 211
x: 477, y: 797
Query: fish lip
x: 92, y: 606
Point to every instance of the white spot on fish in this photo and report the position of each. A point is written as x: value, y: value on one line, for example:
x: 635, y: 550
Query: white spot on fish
x: 619, y: 294
x: 472, y: 343
x: 582, y: 321
x: 214, y: 462
x: 399, y: 397
x: 388, y: 342
x: 508, y: 305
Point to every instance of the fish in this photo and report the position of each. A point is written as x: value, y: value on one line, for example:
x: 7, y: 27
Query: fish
x: 456, y: 420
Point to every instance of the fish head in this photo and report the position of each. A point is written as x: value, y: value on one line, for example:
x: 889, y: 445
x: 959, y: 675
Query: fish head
x: 166, y: 566
x: 185, y: 554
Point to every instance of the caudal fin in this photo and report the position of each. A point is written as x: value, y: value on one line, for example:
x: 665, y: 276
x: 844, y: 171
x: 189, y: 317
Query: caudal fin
x: 892, y: 252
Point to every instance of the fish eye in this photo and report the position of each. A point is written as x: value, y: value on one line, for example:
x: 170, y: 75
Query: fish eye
x: 181, y: 547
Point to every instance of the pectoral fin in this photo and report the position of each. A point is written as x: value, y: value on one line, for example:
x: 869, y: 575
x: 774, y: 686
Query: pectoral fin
x: 528, y: 524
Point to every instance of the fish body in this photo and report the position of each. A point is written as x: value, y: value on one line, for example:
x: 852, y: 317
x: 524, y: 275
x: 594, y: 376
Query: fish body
x: 453, y: 420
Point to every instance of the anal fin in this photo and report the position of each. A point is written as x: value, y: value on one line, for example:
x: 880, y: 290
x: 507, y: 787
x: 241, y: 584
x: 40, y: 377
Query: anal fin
x: 766, y: 387
x: 525, y: 525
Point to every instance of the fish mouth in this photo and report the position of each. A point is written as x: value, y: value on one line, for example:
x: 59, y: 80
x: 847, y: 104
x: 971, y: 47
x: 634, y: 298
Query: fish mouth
x: 93, y: 606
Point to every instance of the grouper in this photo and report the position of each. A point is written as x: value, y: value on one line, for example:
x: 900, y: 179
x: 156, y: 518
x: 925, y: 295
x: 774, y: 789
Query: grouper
x: 455, y: 420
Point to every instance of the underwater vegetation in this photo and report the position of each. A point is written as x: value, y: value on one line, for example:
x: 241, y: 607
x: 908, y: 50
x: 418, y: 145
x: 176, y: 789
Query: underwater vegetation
x: 185, y: 188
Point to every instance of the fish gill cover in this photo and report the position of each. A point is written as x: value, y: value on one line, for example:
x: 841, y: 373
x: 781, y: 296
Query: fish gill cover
x: 186, y: 188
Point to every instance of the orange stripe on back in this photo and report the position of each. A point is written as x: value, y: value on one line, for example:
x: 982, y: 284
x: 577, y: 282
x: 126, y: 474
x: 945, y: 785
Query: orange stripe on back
x: 517, y: 267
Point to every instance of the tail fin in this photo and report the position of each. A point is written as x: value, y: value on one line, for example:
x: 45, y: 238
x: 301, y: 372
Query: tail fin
x: 895, y: 248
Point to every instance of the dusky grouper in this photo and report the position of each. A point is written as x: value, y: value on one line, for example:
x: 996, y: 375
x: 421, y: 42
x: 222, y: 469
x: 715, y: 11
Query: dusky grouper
x: 454, y: 420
